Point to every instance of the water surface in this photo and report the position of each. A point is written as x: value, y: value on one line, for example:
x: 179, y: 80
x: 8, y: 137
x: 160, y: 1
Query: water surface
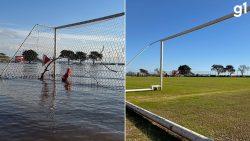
x: 48, y: 110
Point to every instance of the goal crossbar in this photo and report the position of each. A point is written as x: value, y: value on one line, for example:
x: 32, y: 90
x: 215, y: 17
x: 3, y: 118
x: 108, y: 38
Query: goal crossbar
x: 218, y: 20
x: 226, y: 17
x: 95, y: 36
x: 91, y: 21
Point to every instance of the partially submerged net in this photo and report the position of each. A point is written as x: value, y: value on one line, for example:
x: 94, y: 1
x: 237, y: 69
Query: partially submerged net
x: 27, y: 61
x: 94, y: 50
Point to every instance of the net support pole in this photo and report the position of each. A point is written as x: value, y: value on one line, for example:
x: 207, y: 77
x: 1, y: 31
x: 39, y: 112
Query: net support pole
x: 54, y: 57
x: 161, y: 64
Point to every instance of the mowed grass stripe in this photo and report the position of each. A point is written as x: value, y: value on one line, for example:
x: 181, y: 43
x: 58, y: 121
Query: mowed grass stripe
x: 164, y: 98
x: 217, y: 108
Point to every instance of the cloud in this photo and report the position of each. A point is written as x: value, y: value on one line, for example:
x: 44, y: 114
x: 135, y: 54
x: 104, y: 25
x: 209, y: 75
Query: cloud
x: 8, y: 33
x: 42, y: 40
x: 10, y: 39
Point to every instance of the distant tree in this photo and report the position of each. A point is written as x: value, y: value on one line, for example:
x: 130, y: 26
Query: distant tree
x: 68, y: 54
x: 230, y: 69
x: 131, y: 73
x: 2, y: 54
x: 29, y: 55
x: 243, y: 69
x: 81, y: 56
x: 4, y: 58
x: 175, y: 73
x: 157, y: 71
x: 166, y: 74
x: 218, y: 68
x: 184, y: 70
x: 95, y: 56
x: 143, y: 71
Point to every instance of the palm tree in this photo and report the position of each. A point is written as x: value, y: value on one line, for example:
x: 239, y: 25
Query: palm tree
x: 81, y: 56
x: 95, y: 56
x: 30, y: 55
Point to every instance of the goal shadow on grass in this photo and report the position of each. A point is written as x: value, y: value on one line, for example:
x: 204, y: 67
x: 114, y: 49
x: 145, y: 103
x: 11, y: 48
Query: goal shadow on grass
x: 152, y: 131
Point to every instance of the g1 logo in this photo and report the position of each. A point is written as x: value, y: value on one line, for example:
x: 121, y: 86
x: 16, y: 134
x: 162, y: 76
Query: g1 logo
x: 240, y: 9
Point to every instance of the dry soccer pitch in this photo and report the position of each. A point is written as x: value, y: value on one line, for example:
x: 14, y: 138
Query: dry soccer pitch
x: 218, y: 108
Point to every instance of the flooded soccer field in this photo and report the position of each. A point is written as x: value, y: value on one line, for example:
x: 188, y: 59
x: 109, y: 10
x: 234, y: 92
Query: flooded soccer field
x: 51, y: 110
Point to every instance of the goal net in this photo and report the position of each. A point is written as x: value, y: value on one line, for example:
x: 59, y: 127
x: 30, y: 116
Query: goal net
x: 93, y: 49
x: 144, y: 66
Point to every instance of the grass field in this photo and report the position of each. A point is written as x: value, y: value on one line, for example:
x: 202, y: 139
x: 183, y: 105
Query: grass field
x: 215, y: 107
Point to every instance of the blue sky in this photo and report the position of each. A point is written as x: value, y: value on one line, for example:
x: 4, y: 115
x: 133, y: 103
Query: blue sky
x: 26, y: 13
x: 224, y: 43
x: 17, y: 17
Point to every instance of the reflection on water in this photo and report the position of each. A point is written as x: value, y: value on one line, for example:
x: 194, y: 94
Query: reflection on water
x: 48, y: 110
x: 67, y: 86
x: 30, y: 70
x: 47, y: 98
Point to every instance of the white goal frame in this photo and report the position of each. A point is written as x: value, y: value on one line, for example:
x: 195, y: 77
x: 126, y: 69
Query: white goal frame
x: 54, y: 33
x: 163, y: 40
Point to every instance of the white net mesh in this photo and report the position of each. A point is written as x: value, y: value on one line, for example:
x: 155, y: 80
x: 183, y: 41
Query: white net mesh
x: 144, y: 65
x: 40, y: 41
x: 100, y: 48
x: 95, y: 52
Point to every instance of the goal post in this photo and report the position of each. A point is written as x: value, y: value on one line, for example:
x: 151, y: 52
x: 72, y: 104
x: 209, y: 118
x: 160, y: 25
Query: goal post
x: 163, y: 40
x: 54, y: 57
x: 161, y: 64
x: 93, y: 49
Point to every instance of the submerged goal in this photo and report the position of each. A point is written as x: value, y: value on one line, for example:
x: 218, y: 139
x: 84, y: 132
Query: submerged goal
x: 93, y: 49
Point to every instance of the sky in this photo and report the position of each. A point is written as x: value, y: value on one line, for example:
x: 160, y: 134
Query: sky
x: 17, y: 17
x: 226, y: 43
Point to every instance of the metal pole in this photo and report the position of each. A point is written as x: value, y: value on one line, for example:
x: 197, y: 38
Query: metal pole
x: 226, y: 17
x: 161, y: 64
x: 229, y: 16
x: 92, y: 21
x: 54, y: 73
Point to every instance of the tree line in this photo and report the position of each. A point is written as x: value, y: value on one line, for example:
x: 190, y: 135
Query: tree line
x: 4, y: 57
x: 230, y: 69
x: 32, y: 56
x: 185, y: 70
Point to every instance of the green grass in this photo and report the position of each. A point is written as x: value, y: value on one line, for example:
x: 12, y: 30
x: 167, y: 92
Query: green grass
x: 215, y: 107
x: 142, y: 130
